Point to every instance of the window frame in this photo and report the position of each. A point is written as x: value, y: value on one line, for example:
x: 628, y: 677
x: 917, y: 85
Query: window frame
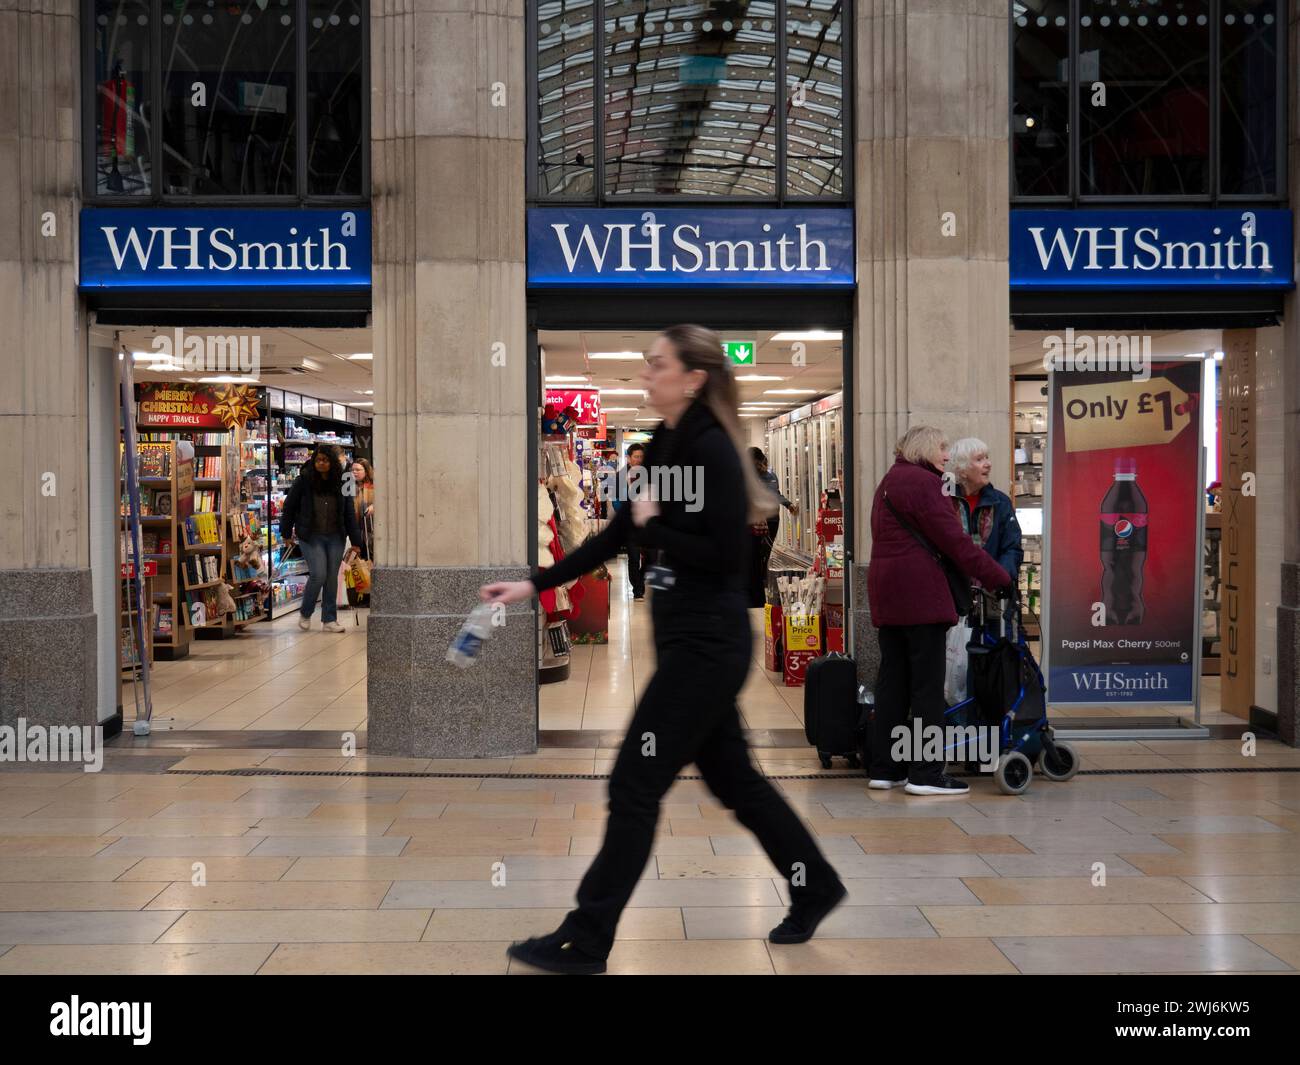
x: 1215, y: 196
x: 599, y: 197
x: 157, y: 197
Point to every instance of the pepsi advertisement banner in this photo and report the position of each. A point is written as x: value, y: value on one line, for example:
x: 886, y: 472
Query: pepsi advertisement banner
x: 1123, y: 581
x: 194, y: 248
x: 593, y: 247
x: 1151, y: 249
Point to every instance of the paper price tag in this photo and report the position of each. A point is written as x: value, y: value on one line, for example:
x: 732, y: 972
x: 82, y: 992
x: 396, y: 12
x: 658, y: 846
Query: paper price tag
x: 1124, y: 414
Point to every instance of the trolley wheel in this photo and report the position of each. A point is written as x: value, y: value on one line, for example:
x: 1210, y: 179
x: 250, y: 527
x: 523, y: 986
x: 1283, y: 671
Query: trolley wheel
x: 825, y: 760
x: 1058, y: 761
x: 854, y: 761
x: 1013, y: 773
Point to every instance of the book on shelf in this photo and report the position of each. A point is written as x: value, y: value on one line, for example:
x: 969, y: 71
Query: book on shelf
x: 155, y: 460
x: 203, y: 529
x: 206, y: 501
x: 162, y: 503
x: 164, y: 625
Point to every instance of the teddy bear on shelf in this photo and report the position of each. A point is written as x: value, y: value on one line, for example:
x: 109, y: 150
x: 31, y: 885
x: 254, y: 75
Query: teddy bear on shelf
x: 250, y: 557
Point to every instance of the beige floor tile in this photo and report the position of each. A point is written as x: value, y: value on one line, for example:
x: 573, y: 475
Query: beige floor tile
x: 63, y: 870
x: 637, y: 923
x: 58, y: 826
x: 397, y: 959
x: 53, y: 846
x: 1247, y: 888
x: 380, y: 868
x: 1246, y: 843
x: 138, y: 959
x: 298, y: 926
x: 1050, y: 920
x: 77, y: 896
x: 187, y: 826
x: 871, y: 957
x: 1038, y: 891
x: 702, y: 957
x: 1237, y: 918
x: 277, y: 895
x: 1286, y: 947
x: 213, y: 870
x: 1228, y: 863
x: 427, y: 847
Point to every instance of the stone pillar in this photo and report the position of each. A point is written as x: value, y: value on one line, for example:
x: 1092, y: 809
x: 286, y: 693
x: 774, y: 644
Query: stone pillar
x: 933, y: 317
x: 451, y: 431
x: 1288, y: 611
x: 47, y: 620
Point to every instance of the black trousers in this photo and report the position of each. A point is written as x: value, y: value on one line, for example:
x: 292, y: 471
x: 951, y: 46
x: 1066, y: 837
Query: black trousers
x: 636, y: 566
x: 910, y: 678
x: 688, y: 714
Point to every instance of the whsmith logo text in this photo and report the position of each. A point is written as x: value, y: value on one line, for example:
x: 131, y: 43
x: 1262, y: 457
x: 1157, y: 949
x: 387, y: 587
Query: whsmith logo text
x: 218, y: 248
x: 1141, y: 248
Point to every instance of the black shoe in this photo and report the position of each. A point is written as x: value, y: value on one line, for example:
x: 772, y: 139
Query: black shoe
x: 639, y: 598
x: 944, y: 785
x: 555, y: 955
x: 802, y: 920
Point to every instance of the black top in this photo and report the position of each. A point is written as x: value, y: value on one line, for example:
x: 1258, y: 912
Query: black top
x: 312, y: 509
x: 707, y: 546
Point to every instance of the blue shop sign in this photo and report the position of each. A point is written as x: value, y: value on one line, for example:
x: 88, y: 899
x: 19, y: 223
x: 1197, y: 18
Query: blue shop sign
x: 197, y: 248
x: 690, y: 247
x: 1170, y: 249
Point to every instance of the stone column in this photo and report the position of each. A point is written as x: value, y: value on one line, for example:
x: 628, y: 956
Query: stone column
x: 933, y: 317
x: 1288, y: 611
x: 47, y: 620
x: 451, y: 432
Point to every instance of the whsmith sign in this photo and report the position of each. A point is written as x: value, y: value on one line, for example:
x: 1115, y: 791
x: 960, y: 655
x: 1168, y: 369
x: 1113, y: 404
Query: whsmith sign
x: 690, y: 247
x: 132, y: 247
x: 1151, y: 249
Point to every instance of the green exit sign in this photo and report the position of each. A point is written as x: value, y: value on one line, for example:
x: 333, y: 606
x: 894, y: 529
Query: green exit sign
x: 740, y: 352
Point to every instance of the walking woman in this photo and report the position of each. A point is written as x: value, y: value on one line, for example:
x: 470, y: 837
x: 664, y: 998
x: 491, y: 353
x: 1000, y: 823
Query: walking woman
x: 319, y: 516
x: 764, y: 533
x: 363, y: 503
x: 913, y: 528
x: 702, y: 644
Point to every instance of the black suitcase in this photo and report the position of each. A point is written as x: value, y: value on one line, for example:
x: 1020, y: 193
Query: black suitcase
x: 830, y: 708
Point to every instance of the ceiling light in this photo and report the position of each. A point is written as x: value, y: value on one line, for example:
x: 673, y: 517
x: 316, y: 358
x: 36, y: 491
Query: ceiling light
x: 811, y: 334
x: 228, y: 379
x: 361, y: 355
x: 368, y: 403
x: 627, y: 355
x: 757, y: 377
x: 312, y: 364
x: 622, y: 391
x: 562, y: 380
x: 364, y: 391
x: 790, y: 392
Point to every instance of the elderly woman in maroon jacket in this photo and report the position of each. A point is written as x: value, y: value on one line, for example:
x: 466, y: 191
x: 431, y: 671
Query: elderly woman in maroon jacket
x: 912, y: 605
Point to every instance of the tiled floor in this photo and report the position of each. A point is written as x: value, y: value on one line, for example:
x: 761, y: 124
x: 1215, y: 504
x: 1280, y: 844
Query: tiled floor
x: 177, y: 872
x: 276, y: 677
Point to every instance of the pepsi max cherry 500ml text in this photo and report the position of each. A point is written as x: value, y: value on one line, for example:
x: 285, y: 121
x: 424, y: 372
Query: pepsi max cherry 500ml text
x: 1123, y: 546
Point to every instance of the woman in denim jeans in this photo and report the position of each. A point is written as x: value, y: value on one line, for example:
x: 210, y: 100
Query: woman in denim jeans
x: 320, y: 517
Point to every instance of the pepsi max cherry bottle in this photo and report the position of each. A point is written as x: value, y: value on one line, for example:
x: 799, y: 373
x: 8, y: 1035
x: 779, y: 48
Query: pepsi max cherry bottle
x: 1123, y: 546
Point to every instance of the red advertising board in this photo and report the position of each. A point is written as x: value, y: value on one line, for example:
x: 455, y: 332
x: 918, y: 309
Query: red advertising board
x: 1123, y: 525
x: 586, y: 401
x: 168, y: 405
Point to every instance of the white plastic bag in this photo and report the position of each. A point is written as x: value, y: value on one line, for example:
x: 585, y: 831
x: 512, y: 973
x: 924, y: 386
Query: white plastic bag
x: 955, y: 663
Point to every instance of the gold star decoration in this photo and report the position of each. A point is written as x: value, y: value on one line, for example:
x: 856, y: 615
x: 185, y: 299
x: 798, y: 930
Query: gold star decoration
x: 235, y: 405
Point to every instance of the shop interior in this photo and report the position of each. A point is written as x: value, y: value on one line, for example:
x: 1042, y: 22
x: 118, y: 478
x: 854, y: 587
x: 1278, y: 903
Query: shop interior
x: 595, y: 649
x: 221, y: 590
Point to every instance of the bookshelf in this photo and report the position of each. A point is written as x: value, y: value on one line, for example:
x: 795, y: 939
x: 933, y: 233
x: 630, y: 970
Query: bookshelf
x: 162, y: 483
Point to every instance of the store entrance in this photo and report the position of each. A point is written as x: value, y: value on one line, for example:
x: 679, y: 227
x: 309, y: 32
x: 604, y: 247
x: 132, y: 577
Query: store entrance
x: 224, y: 425
x: 595, y: 645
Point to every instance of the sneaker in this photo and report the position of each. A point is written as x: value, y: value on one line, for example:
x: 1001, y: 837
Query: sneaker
x: 884, y: 784
x: 802, y: 921
x: 553, y: 954
x: 333, y: 626
x: 304, y: 623
x: 945, y: 785
x: 638, y: 598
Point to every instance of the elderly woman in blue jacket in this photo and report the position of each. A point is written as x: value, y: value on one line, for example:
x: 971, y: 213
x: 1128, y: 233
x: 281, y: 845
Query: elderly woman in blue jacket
x: 986, y: 514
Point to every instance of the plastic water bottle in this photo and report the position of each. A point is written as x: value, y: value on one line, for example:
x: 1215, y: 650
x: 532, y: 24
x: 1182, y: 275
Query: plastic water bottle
x: 465, y: 648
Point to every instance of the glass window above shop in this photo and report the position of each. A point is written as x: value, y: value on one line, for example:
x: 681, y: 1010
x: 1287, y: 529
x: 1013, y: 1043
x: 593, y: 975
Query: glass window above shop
x: 230, y: 99
x: 1146, y: 99
x: 719, y: 98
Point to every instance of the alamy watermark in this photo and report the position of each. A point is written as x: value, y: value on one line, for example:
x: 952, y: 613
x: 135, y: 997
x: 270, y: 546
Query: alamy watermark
x: 950, y: 743
x: 654, y: 484
x: 1090, y: 352
x: 235, y: 353
x: 53, y: 743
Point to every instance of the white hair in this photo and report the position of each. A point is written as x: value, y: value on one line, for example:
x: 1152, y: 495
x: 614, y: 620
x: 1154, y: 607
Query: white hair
x: 964, y: 452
